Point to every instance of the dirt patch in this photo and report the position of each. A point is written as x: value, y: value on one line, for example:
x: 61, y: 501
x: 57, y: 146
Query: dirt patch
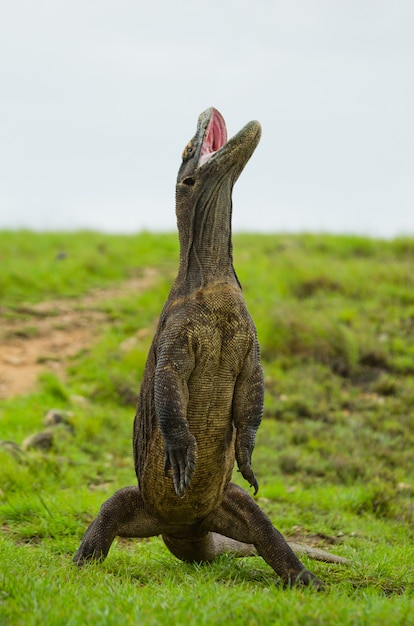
x: 49, y: 333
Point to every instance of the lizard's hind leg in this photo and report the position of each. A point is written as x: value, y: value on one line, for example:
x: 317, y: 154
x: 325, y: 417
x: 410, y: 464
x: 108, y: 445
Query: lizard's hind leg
x: 123, y: 515
x: 240, y: 518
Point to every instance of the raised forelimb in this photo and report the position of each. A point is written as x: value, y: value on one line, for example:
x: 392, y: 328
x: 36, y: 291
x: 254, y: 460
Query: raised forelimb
x: 247, y: 413
x: 174, y: 366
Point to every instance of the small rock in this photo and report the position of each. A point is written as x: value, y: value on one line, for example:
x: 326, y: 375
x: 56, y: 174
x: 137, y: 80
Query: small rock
x: 264, y: 500
x: 39, y: 441
x: 56, y: 416
x: 128, y: 344
x: 14, y: 360
x: 13, y: 448
x: 99, y: 486
x: 79, y: 400
x: 404, y: 487
x: 142, y: 333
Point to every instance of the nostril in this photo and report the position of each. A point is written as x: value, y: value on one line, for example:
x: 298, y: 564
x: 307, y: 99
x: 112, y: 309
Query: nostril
x: 189, y: 181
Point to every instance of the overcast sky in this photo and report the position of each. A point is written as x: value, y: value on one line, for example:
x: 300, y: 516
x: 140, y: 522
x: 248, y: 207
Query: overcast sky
x: 98, y: 100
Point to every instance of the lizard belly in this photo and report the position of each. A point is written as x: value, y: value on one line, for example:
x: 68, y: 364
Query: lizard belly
x: 210, y: 422
x: 217, y: 334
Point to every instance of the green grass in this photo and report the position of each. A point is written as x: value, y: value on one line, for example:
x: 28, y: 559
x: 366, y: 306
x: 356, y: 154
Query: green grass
x: 334, y: 455
x: 34, y: 267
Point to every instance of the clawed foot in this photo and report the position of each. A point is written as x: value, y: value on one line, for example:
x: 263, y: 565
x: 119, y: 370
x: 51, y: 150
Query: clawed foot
x: 248, y: 474
x: 244, y: 449
x: 181, y: 459
x: 306, y: 578
x: 82, y: 557
x: 93, y: 547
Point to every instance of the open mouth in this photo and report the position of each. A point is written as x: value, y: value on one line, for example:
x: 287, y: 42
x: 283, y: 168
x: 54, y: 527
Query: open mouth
x: 215, y: 137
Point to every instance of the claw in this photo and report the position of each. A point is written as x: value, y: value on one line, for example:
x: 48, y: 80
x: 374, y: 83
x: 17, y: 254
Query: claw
x: 180, y: 490
x: 306, y: 578
x: 248, y: 474
x: 182, y: 462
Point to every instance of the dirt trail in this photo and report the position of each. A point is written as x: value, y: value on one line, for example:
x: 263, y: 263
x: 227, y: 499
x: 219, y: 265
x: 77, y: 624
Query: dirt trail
x: 53, y: 331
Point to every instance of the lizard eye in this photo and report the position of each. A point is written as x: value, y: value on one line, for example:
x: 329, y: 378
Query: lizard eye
x: 188, y: 152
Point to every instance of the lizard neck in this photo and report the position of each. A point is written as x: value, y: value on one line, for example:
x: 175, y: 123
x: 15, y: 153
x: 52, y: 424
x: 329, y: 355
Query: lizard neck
x: 206, y: 253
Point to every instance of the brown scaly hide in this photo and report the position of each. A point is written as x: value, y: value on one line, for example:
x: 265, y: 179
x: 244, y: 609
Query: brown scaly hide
x: 219, y: 337
x: 201, y: 397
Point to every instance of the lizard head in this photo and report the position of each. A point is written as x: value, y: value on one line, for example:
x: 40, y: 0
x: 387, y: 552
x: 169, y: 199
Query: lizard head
x: 210, y: 167
x: 208, y: 155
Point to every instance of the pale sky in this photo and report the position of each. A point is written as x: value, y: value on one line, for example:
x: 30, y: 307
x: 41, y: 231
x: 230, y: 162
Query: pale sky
x: 98, y: 100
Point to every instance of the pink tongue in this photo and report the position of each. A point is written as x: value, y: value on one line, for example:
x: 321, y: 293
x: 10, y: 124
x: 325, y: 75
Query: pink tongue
x: 215, y: 137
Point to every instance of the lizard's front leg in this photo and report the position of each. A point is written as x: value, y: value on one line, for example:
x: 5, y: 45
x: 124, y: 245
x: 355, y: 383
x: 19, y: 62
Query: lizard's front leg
x: 174, y: 366
x: 247, y: 412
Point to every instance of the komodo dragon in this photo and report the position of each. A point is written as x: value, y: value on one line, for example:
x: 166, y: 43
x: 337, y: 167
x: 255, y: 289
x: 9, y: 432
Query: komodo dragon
x: 201, y: 397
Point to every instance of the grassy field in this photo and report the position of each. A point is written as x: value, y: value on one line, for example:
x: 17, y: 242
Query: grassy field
x: 334, y: 455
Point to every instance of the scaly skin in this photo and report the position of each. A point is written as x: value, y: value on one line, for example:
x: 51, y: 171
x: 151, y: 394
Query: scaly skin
x: 201, y: 397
